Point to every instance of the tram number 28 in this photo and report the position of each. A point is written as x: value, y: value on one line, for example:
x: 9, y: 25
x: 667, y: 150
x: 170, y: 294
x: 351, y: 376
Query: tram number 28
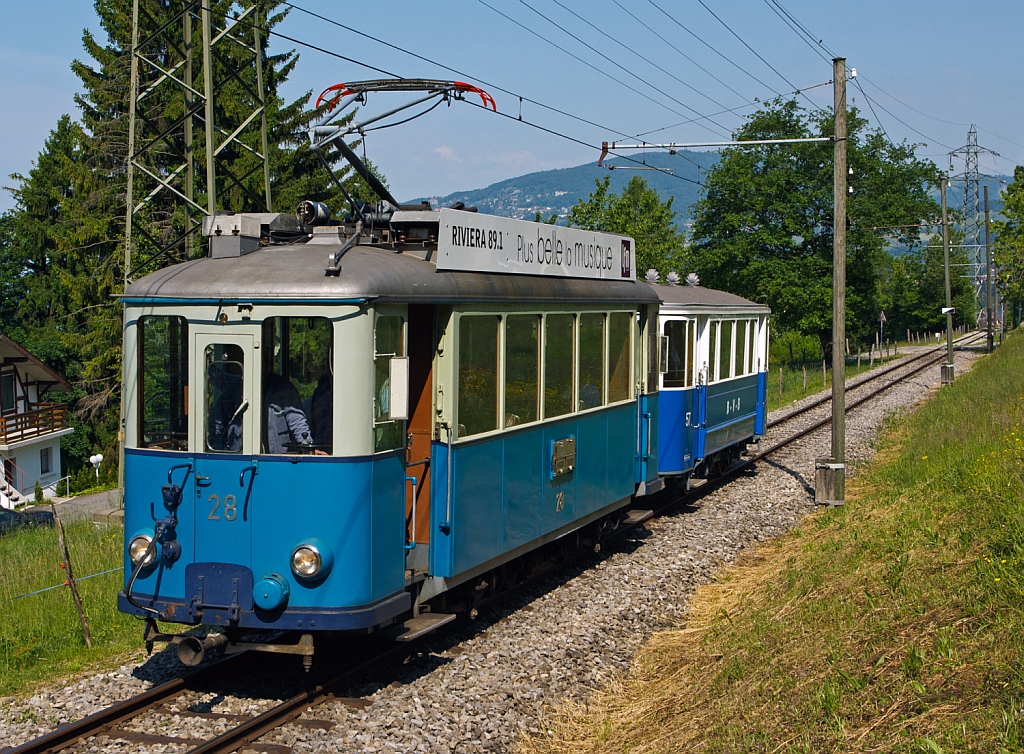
x: 230, y: 509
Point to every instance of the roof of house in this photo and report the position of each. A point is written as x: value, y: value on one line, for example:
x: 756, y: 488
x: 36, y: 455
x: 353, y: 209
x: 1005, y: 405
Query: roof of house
x: 37, y: 371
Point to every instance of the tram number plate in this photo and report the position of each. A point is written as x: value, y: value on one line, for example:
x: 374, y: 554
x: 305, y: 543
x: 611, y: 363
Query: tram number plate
x: 228, y: 510
x: 563, y: 456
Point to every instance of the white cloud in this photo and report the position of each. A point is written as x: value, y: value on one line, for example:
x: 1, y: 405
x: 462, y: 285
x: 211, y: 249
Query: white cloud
x: 447, y: 153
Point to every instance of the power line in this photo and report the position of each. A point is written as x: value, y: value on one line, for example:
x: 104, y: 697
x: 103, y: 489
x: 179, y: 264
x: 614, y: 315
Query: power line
x: 807, y: 32
x: 642, y: 57
x: 734, y: 109
x: 617, y: 65
x: 891, y: 115
x: 727, y: 59
x: 456, y: 71
x: 756, y: 54
x: 502, y: 114
x: 545, y: 129
x: 683, y: 54
x: 796, y: 30
x: 872, y: 107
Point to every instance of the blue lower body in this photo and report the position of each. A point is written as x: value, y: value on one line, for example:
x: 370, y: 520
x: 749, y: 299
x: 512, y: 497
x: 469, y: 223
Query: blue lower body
x: 235, y: 527
x: 503, y: 494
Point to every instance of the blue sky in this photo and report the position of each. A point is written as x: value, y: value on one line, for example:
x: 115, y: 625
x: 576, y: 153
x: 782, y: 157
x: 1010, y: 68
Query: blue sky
x: 937, y: 57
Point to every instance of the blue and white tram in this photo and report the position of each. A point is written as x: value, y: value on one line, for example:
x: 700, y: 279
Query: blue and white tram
x: 714, y: 368
x: 315, y: 452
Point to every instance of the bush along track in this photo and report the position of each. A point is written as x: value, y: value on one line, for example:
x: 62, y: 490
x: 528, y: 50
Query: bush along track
x: 891, y: 624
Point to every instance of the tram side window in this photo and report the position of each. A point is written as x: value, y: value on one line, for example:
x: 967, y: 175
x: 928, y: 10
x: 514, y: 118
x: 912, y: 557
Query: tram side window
x: 752, y: 366
x: 713, y: 352
x: 691, y: 350
x: 559, y: 364
x: 478, y: 374
x: 163, y: 383
x: 591, y: 361
x: 388, y: 341
x: 725, y: 362
x: 298, y: 386
x: 225, y: 389
x: 677, y: 332
x: 741, y: 347
x: 620, y: 350
x: 522, y: 368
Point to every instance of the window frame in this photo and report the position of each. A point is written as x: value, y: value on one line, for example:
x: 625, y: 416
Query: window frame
x: 542, y: 314
x: 374, y: 424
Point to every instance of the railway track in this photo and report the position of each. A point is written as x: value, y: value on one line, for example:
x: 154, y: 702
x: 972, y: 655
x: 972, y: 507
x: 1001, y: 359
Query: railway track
x: 172, y: 698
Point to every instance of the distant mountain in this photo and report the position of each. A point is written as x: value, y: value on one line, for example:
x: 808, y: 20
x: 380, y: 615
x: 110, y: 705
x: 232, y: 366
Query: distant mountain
x: 558, y: 190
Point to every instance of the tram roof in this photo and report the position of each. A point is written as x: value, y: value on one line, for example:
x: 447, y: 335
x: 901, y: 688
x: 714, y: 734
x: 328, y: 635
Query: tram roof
x: 295, y: 273
x: 697, y: 297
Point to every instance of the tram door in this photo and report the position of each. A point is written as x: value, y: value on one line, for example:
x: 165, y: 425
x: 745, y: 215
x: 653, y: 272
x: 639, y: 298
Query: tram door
x: 422, y: 346
x: 226, y: 409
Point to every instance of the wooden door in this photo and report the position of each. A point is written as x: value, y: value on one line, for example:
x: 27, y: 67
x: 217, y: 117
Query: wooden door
x: 422, y: 346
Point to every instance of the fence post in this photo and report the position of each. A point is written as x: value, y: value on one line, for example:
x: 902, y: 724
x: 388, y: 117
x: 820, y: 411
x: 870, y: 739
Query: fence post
x: 75, y: 596
x: 780, y: 386
x: 824, y: 374
x: 805, y: 379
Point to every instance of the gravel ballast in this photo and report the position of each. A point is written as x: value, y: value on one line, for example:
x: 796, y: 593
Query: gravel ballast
x: 478, y: 687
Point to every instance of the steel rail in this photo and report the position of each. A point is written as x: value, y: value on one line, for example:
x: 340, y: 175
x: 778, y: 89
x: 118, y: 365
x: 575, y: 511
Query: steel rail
x: 251, y: 730
x: 104, y: 720
x: 869, y: 378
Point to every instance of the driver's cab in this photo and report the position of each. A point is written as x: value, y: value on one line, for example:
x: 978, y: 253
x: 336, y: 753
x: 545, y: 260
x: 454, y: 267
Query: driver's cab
x: 278, y: 424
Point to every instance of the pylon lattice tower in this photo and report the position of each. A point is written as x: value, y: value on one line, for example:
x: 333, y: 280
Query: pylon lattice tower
x: 972, y: 211
x: 176, y: 120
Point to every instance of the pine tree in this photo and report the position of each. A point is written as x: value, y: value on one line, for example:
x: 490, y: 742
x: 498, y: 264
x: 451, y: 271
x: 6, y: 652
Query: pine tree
x: 63, y: 243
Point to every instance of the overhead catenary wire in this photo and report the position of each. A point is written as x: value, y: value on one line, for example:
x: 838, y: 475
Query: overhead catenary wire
x: 755, y: 52
x: 642, y: 57
x: 615, y: 63
x: 681, y: 53
x: 724, y: 57
x: 497, y: 87
x: 799, y: 34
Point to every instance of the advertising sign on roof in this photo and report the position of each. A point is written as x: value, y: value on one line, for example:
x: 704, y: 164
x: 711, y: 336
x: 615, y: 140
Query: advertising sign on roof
x: 472, y: 242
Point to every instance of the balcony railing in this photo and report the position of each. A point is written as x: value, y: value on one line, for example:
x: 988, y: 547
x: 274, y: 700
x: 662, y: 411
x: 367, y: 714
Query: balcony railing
x: 48, y: 417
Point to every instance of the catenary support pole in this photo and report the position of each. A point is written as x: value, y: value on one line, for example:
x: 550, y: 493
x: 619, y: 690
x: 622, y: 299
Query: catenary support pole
x: 830, y: 473
x: 948, y: 377
x: 988, y: 274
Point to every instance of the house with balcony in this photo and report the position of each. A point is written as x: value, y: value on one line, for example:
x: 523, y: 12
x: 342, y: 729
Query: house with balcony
x: 30, y: 426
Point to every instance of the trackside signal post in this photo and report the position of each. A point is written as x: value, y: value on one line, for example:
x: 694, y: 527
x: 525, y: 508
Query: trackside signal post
x: 830, y: 473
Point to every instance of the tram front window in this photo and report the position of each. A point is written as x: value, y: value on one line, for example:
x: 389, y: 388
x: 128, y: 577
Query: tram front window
x: 298, y: 386
x: 225, y: 405
x: 163, y: 383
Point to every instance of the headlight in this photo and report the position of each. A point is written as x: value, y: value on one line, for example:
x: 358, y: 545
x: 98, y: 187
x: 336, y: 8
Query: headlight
x: 306, y: 561
x: 138, y: 548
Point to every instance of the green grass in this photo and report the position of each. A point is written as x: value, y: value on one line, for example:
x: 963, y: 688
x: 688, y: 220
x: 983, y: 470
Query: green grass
x: 40, y: 634
x: 891, y: 624
x: 793, y: 379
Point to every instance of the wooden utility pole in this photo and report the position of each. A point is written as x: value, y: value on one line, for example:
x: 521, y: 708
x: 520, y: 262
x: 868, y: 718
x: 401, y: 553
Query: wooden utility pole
x: 988, y: 274
x: 830, y: 473
x: 947, y: 369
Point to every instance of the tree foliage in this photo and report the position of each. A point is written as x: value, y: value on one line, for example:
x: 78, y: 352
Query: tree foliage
x: 63, y: 244
x: 1008, y: 250
x: 638, y: 212
x: 763, y: 228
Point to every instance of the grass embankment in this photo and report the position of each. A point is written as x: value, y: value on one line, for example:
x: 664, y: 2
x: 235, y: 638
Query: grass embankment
x: 40, y: 635
x: 892, y: 624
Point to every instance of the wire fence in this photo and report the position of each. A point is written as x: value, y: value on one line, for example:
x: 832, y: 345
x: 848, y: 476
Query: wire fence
x: 58, y: 586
